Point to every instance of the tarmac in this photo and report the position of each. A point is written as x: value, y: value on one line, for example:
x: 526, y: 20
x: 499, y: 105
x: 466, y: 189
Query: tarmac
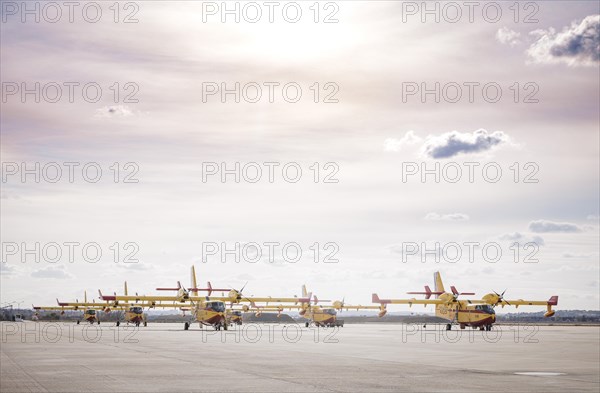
x: 64, y: 357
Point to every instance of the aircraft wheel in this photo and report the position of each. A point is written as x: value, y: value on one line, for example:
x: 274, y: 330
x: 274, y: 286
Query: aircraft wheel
x: 225, y: 327
x: 145, y: 323
x: 98, y: 322
x: 186, y: 326
x: 448, y: 327
x: 118, y: 323
x: 306, y: 324
x: 137, y: 324
x: 78, y: 322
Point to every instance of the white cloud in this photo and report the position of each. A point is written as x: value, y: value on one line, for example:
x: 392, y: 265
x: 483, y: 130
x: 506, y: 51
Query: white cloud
x: 454, y: 143
x: 393, y: 144
x: 7, y: 270
x: 593, y: 217
x: 135, y: 266
x: 543, y: 226
x: 578, y: 255
x: 576, y: 45
x: 57, y: 272
x: 433, y: 216
x: 522, y: 238
x: 507, y: 36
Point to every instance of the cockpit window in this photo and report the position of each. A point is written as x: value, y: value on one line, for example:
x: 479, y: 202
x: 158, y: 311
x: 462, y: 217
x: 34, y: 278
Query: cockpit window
x: 485, y: 308
x: 330, y: 311
x: 216, y: 306
x: 136, y: 310
x: 91, y: 312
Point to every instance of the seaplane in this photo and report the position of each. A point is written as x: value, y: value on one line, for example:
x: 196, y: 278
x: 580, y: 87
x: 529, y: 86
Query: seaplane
x: 90, y: 310
x: 309, y: 308
x: 206, y: 310
x: 476, y: 313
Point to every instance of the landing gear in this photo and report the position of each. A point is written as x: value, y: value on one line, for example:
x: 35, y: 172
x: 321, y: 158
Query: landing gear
x: 449, y: 326
x: 98, y: 322
x: 78, y: 322
x: 488, y: 327
x: 306, y: 324
x: 186, y: 326
x: 118, y: 323
x: 145, y: 323
x: 137, y: 324
x: 225, y: 326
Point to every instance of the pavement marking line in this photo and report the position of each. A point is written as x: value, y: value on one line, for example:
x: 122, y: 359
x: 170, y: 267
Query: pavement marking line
x: 15, y: 378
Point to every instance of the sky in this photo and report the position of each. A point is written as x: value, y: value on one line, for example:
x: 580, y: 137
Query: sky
x: 501, y: 105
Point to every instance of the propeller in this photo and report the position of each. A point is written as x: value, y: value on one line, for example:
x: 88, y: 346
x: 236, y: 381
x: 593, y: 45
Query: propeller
x: 239, y: 293
x: 501, y: 298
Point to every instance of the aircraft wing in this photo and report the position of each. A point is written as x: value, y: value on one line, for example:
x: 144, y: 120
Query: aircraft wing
x: 136, y: 299
x: 553, y: 301
x: 250, y: 299
x: 376, y: 299
x: 358, y: 307
x: 66, y: 308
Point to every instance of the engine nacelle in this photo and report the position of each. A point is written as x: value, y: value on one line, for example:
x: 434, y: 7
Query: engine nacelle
x: 382, y: 313
x: 549, y: 314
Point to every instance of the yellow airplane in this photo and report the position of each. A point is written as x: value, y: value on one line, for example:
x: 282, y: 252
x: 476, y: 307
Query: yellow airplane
x: 473, y: 312
x: 209, y: 310
x: 320, y: 316
x: 234, y: 317
x: 132, y: 313
x: 89, y: 309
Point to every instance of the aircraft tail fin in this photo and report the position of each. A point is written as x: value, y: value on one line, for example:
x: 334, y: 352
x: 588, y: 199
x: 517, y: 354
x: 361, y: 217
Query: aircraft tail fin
x: 85, y: 296
x: 553, y: 301
x: 125, y: 288
x: 193, y: 281
x: 439, y: 286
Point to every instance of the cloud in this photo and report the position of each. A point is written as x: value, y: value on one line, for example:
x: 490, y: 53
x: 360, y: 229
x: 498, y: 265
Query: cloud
x: 576, y: 45
x: 522, y: 239
x: 593, y: 217
x: 454, y: 143
x: 393, y: 144
x: 543, y: 226
x: 507, y: 36
x: 578, y: 255
x: 433, y: 216
x: 135, y: 266
x: 113, y: 111
x: 7, y: 270
x: 58, y: 272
